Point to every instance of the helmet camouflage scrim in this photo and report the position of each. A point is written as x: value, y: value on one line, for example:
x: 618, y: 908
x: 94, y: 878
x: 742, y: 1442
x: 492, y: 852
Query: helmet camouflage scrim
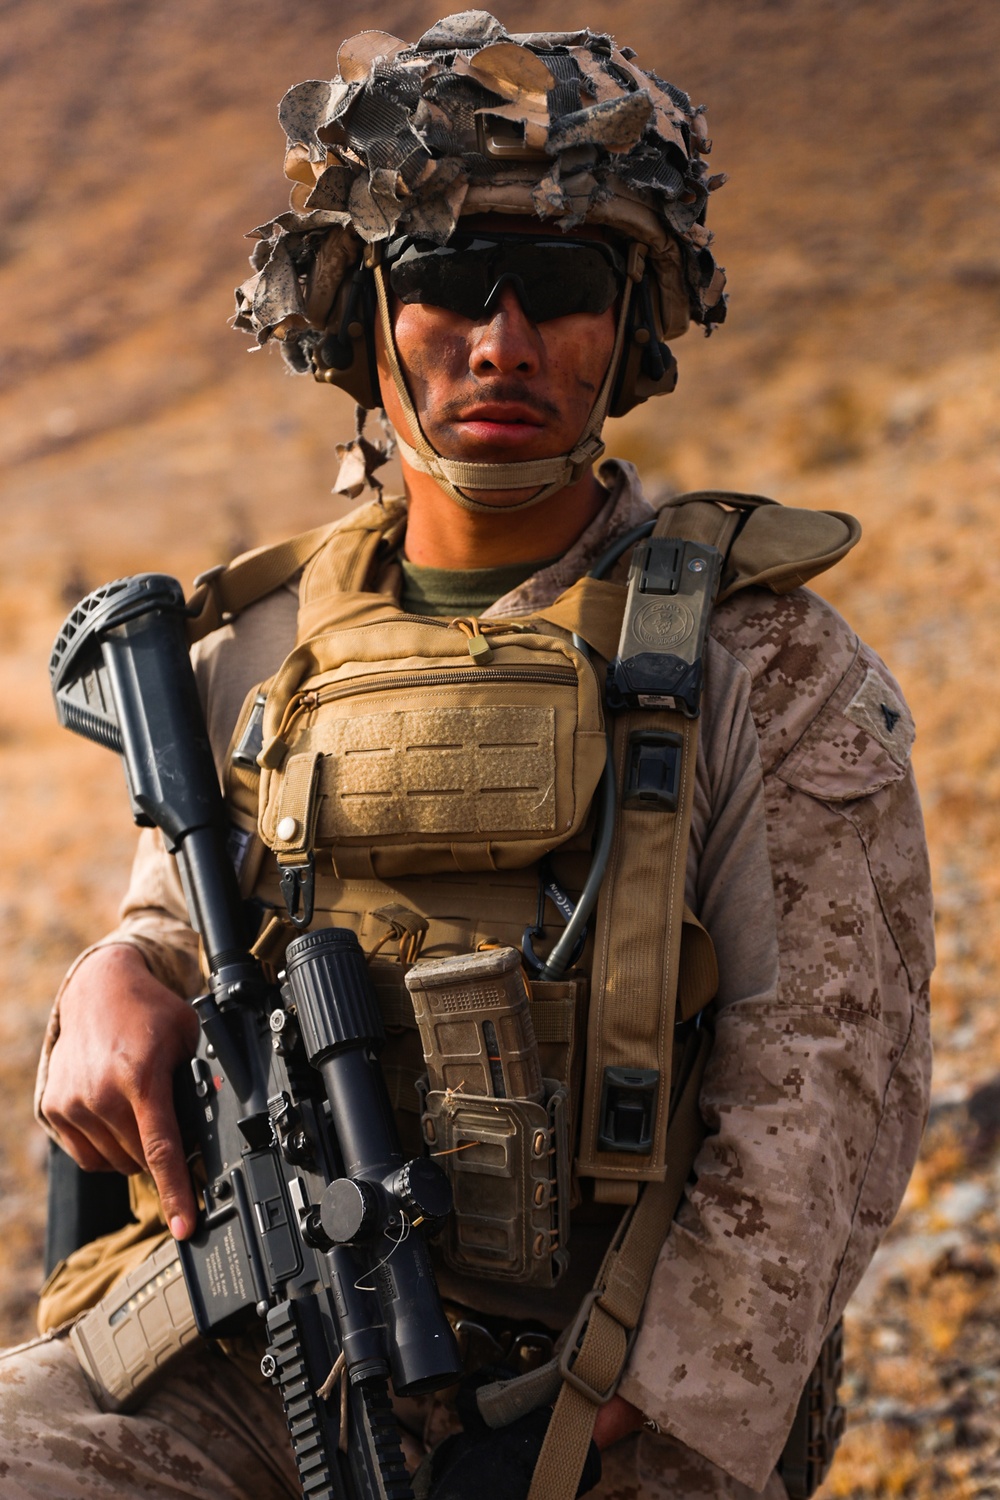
x: 562, y: 127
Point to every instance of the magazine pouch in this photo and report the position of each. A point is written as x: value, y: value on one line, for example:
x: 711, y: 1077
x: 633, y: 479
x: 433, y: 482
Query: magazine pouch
x: 499, y: 1129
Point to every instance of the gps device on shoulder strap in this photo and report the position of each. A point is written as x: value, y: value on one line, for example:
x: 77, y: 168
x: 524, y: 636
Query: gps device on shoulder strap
x: 671, y: 585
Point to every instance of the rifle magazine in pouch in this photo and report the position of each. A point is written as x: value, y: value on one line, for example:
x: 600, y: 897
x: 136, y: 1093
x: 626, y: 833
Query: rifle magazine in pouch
x: 508, y: 1163
x: 124, y: 1343
x: 498, y: 1128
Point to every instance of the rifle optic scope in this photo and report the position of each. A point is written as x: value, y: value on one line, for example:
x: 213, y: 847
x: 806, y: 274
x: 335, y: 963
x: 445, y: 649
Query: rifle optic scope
x: 382, y: 1197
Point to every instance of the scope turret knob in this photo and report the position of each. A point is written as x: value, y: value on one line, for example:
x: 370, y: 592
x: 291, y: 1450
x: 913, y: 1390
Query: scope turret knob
x: 349, y: 1210
x: 423, y: 1189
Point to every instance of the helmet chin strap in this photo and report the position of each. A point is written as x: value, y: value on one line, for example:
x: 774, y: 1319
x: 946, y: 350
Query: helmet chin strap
x: 455, y: 476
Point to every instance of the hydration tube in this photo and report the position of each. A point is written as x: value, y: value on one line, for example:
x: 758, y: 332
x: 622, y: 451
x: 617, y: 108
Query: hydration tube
x: 562, y: 954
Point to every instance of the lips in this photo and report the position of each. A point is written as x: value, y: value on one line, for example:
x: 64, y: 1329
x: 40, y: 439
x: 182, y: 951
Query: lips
x: 500, y: 425
x: 503, y: 414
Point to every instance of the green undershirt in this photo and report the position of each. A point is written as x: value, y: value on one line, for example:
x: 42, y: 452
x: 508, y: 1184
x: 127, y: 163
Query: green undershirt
x: 461, y: 591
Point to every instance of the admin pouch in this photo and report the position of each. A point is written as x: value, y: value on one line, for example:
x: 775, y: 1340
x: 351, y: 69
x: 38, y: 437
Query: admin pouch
x: 390, y: 749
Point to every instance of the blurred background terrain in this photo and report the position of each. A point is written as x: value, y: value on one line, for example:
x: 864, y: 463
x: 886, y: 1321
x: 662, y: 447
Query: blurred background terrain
x: 858, y: 371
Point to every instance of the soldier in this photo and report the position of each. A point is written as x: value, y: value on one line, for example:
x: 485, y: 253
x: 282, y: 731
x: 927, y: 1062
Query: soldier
x: 492, y: 238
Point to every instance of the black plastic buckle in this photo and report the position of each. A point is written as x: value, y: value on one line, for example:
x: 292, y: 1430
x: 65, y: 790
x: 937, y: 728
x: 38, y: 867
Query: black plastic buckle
x: 653, y: 770
x: 628, y: 1110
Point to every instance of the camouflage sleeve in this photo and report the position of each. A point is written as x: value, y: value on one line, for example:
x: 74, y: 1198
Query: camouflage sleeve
x: 812, y: 877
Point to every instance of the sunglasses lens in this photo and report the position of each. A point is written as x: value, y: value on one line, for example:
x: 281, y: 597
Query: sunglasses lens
x: 552, y: 278
x: 441, y: 275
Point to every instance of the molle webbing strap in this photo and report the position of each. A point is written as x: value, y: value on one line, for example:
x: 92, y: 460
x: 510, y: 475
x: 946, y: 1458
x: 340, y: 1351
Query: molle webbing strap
x: 350, y: 566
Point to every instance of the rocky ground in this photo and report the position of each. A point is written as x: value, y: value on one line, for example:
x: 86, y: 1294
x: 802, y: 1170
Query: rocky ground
x: 858, y: 372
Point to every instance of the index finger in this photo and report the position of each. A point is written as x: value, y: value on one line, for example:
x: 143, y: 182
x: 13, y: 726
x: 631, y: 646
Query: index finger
x: 163, y: 1154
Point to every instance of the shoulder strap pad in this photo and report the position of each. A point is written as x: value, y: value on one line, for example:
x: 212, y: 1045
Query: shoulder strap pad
x: 337, y: 556
x: 778, y: 547
x: 773, y: 546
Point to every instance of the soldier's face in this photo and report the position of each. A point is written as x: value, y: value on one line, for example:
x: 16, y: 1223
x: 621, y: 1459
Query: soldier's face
x: 498, y: 386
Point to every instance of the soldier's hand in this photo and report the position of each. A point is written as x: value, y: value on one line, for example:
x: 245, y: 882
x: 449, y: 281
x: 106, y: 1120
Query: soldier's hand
x: 504, y: 1457
x: 616, y: 1419
x: 109, y: 1092
x: 464, y: 1465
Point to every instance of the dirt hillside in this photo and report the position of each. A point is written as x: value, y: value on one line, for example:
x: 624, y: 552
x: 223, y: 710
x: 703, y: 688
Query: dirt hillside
x: 858, y: 371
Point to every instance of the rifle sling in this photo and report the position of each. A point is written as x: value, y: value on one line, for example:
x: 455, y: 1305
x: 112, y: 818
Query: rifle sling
x: 590, y: 1367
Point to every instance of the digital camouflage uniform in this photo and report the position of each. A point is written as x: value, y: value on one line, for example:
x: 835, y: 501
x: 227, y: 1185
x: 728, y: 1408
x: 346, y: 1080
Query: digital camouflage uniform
x: 807, y: 865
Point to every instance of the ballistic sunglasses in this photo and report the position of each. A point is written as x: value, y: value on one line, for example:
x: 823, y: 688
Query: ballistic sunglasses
x: 552, y: 278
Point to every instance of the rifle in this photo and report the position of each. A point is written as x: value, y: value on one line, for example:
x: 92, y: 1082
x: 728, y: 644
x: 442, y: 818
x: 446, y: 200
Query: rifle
x: 309, y: 1215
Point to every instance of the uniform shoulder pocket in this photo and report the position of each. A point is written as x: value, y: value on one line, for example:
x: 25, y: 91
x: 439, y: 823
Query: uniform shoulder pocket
x: 854, y: 757
x: 859, y: 741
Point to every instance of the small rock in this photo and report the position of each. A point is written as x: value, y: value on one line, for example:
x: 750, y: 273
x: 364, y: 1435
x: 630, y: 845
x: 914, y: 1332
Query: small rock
x: 912, y: 1255
x: 967, y: 1260
x: 959, y: 1203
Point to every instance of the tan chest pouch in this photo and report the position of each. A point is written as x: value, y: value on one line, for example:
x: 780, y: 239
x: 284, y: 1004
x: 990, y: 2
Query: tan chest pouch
x: 391, y: 747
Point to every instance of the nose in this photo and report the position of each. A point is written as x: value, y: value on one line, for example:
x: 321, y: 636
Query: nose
x: 505, y: 341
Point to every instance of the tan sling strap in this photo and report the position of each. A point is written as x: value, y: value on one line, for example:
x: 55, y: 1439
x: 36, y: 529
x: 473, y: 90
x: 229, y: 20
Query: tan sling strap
x: 765, y: 545
x: 598, y: 1343
x: 586, y: 1372
x: 639, y: 922
x: 221, y: 593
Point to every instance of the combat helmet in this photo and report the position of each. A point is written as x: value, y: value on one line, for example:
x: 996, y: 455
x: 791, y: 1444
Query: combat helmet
x: 562, y: 127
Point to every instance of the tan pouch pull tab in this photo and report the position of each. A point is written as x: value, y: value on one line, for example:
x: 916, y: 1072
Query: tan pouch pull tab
x: 294, y: 835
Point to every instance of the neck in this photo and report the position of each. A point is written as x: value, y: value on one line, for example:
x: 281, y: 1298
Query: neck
x: 440, y: 534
